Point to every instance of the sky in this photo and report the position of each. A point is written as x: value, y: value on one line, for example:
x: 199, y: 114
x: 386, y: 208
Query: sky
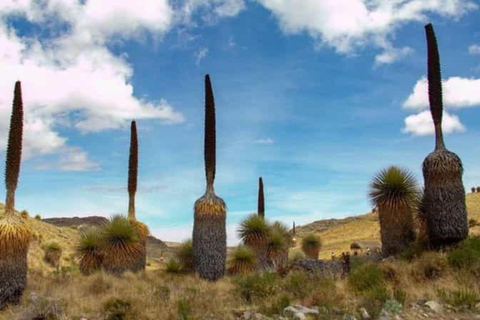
x: 315, y: 96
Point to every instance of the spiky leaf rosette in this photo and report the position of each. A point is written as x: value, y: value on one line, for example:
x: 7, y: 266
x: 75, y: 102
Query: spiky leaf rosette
x: 242, y: 260
x: 311, y: 245
x: 394, y: 192
x: 132, y: 170
x: 261, y: 198
x: 89, y: 250
x: 15, y: 237
x: 209, y: 228
x: 210, y: 236
x: 121, y: 246
x: 254, y: 232
x: 444, y: 197
x: 14, y: 149
x: 185, y: 255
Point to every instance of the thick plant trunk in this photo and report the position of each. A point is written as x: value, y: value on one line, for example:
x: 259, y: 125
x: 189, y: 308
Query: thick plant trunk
x: 13, y: 278
x: 10, y: 202
x: 209, y: 237
x: 444, y: 199
x: 131, y: 206
x: 397, y: 229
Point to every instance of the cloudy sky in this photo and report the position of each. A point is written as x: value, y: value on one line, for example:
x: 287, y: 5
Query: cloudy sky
x: 315, y: 96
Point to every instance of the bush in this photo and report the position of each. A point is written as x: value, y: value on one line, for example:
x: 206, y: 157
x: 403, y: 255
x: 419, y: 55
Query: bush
x: 117, y: 309
x: 184, y: 309
x: 38, y: 217
x: 466, y: 256
x: 459, y: 298
x: 297, y: 255
x: 173, y: 266
x: 311, y: 245
x: 45, y: 308
x: 276, y: 306
x: 24, y: 214
x: 242, y: 260
x: 185, y: 256
x: 429, y: 266
x: 366, y: 277
x: 299, y: 284
x: 256, y: 286
x: 325, y: 294
x: 53, y: 252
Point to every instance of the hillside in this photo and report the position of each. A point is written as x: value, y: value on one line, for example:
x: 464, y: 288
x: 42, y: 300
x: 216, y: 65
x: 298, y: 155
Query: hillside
x: 338, y: 234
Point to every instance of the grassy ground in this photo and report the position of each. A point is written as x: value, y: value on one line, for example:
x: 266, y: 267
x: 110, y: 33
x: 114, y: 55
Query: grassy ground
x: 156, y: 294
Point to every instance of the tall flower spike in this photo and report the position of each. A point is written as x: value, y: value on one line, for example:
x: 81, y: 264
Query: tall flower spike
x: 435, y: 85
x: 210, y: 138
x: 14, y: 149
x: 261, y: 199
x: 132, y: 170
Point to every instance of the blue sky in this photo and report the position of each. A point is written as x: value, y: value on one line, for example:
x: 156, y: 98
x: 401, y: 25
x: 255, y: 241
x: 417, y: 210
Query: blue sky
x: 315, y: 97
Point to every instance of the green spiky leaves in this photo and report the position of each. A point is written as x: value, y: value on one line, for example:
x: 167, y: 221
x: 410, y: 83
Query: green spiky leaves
x: 434, y: 85
x: 132, y: 170
x: 210, y: 136
x: 14, y: 148
x: 393, y: 188
x: 242, y: 260
x: 253, y: 230
x: 261, y: 198
x: 311, y: 245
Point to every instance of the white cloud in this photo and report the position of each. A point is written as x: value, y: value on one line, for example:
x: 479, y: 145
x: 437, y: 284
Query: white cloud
x: 200, y: 54
x: 391, y: 55
x: 350, y: 24
x: 264, y: 141
x: 457, y: 93
x: 422, y: 124
x: 211, y: 10
x: 474, y: 49
x: 72, y: 79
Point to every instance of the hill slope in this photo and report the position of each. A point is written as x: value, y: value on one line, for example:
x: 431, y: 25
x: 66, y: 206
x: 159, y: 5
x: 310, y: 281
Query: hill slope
x: 338, y: 234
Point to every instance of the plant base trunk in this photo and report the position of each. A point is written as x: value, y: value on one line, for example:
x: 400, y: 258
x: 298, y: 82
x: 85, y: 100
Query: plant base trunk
x: 13, y: 278
x: 209, y: 245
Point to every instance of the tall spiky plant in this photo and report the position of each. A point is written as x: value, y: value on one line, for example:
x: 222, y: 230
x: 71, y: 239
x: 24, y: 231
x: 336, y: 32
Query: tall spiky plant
x: 209, y: 227
x: 279, y: 241
x: 255, y: 232
x: 14, y: 233
x: 89, y: 250
x: 261, y: 199
x: 120, y: 246
x: 394, y: 192
x: 132, y: 190
x: 444, y: 195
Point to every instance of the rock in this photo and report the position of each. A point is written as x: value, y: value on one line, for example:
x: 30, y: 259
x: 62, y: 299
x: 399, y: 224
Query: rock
x: 384, y: 315
x: 298, y: 312
x: 337, y: 311
x: 434, y: 306
x: 364, y: 314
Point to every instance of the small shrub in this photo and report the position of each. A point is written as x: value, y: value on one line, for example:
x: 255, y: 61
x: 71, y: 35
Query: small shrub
x: 466, y: 256
x: 276, y: 306
x: 256, y: 286
x: 184, y: 309
x: 472, y: 223
x: 399, y: 295
x: 325, y: 294
x: 173, y: 266
x: 38, y: 217
x: 242, y: 260
x: 459, y: 298
x: 117, y: 309
x: 185, y: 256
x: 299, y: 284
x: 311, y: 245
x: 99, y: 285
x: 393, y: 307
x: 24, y: 214
x: 366, y: 278
x: 53, y: 252
x: 429, y: 266
x: 297, y: 255
x: 45, y: 308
